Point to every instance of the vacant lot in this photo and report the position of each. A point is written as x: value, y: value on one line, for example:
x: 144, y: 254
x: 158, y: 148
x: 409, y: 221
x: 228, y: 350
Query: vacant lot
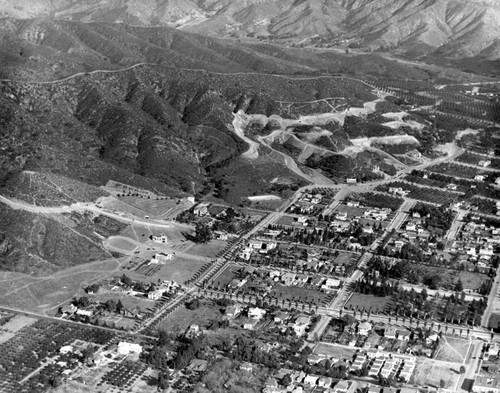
x: 452, y: 349
x: 368, y: 302
x: 182, y: 318
x: 430, y: 373
x: 336, y: 351
x: 209, y: 250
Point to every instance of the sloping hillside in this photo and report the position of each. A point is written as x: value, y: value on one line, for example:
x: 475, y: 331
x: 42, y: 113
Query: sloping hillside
x: 461, y: 28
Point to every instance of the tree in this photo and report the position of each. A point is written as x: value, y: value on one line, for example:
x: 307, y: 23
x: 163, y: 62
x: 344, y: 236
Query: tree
x: 163, y: 380
x: 163, y: 338
x: 193, y: 304
x: 119, y: 306
x: 286, y: 380
x: 462, y: 369
x: 126, y: 280
x: 83, y: 302
x: 203, y: 233
x: 111, y: 305
x: 459, y: 286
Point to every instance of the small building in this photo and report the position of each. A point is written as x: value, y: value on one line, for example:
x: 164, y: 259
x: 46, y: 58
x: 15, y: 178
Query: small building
x: 156, y: 295
x: 160, y: 239
x: 201, y: 209
x: 125, y: 348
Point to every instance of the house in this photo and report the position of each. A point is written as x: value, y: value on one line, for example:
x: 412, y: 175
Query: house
x: 201, y: 209
x: 364, y: 328
x: 351, y: 180
x: 389, y: 368
x: 311, y: 380
x: 479, y: 177
x: 160, y: 239
x: 255, y: 312
x: 484, y: 163
x: 69, y: 309
x: 271, y: 382
x: 198, y: 365
x: 342, y: 216
x: 245, y: 366
x: 155, y: 295
x: 452, y: 187
x: 431, y: 339
x: 250, y: 324
x: 404, y: 335
x: 344, y: 386
x: 359, y: 362
x: 192, y: 331
x: 353, y: 203
x: 487, y: 384
x: 84, y: 313
x: 288, y: 278
x: 325, y: 382
x: 390, y: 332
x: 161, y: 259
x: 125, y: 348
x: 411, y: 226
x: 376, y: 366
x: 281, y: 317
x: 233, y: 311
x: 330, y: 284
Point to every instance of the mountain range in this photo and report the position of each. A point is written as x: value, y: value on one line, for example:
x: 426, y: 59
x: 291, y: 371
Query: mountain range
x: 455, y: 28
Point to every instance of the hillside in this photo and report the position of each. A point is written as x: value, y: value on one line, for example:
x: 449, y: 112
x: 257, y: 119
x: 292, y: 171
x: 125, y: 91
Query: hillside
x: 455, y: 28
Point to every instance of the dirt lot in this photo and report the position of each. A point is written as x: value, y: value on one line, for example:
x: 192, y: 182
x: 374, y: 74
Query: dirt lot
x: 430, y: 373
x: 452, y: 349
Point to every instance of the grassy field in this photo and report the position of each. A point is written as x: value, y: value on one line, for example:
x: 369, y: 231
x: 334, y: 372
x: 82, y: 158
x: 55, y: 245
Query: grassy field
x: 122, y: 244
x: 452, y: 349
x: 430, y: 373
x: 209, y: 250
x: 182, y: 318
x: 472, y: 280
x: 368, y: 302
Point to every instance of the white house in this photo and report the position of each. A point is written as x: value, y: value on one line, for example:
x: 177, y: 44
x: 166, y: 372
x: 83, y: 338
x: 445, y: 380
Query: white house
x: 364, y: 328
x: 155, y: 295
x: 256, y: 312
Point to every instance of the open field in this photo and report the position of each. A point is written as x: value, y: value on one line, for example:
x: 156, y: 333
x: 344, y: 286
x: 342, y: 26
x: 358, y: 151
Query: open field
x: 368, y: 302
x: 208, y: 250
x: 45, y: 294
x: 121, y: 243
x: 430, y: 373
x: 151, y: 207
x: 8, y: 330
x: 452, y: 349
x: 179, y: 269
x: 334, y: 350
x: 182, y: 318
